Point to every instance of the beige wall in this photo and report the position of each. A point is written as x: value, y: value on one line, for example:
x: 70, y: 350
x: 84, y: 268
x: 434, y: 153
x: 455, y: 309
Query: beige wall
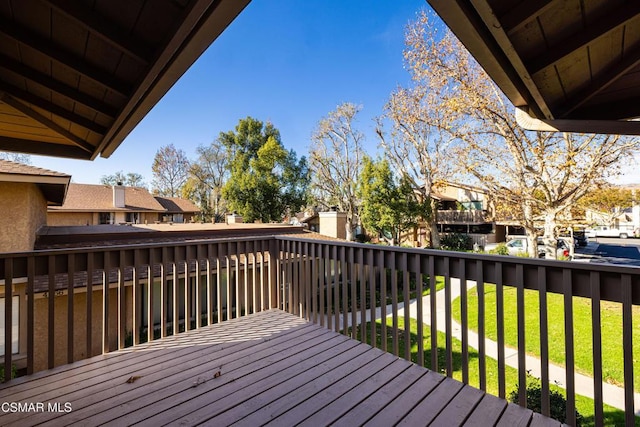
x: 71, y: 218
x: 23, y: 210
x: 41, y: 308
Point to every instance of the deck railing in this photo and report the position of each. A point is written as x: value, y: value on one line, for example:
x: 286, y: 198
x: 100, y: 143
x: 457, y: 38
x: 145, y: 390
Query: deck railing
x: 325, y: 283
x: 153, y: 291
x: 163, y: 289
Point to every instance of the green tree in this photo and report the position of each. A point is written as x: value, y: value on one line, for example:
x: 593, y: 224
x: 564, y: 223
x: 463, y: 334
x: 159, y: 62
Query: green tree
x: 170, y: 171
x: 389, y: 206
x: 608, y: 201
x: 130, y: 179
x: 266, y: 182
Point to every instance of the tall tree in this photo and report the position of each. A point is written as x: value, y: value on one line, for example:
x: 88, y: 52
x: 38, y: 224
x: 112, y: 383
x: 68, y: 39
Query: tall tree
x: 170, y: 171
x: 390, y: 206
x: 336, y: 162
x: 542, y: 172
x: 266, y: 182
x: 208, y: 175
x: 129, y: 179
x: 414, y: 145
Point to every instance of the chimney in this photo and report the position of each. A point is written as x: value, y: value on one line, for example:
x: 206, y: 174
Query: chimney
x: 118, y: 195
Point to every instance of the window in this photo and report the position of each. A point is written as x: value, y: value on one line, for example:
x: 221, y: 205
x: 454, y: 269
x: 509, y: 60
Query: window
x: 15, y: 325
x: 106, y: 218
x: 474, y: 205
x: 132, y: 217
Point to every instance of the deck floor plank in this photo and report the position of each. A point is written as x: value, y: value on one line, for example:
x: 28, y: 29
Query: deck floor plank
x: 370, y: 406
x: 198, y: 411
x: 457, y: 411
x: 429, y: 408
x: 284, y: 389
x: 361, y: 373
x: 515, y: 416
x: 311, y: 388
x: 267, y: 368
x: 406, y: 401
x: 487, y: 412
x: 241, y: 368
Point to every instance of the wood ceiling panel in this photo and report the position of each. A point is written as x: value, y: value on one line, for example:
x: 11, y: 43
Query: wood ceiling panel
x: 561, y: 21
x: 90, y: 70
x: 65, y: 33
x: 574, y: 72
x: 156, y: 20
x: 103, y: 55
x: 549, y: 85
x: 33, y: 14
x: 605, y: 51
x: 124, y: 14
x: 596, y: 9
x: 529, y: 40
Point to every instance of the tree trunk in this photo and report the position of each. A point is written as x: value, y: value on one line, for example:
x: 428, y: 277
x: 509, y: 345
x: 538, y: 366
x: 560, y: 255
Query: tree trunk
x: 550, y: 242
x: 349, y: 229
x: 529, y: 228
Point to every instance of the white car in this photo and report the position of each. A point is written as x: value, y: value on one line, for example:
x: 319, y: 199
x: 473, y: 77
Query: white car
x: 518, y: 245
x: 606, y: 231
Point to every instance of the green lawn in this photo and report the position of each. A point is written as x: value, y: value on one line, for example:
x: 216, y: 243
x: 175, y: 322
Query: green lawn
x: 584, y: 405
x: 611, y: 315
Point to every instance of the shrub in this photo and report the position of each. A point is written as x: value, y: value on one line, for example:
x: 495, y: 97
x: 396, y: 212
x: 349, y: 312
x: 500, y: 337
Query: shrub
x: 14, y: 372
x: 501, y: 249
x: 557, y: 402
x: 362, y: 238
x: 456, y: 242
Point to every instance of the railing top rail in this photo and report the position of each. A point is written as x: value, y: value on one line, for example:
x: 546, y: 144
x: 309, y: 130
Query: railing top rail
x: 504, y: 259
x: 130, y: 246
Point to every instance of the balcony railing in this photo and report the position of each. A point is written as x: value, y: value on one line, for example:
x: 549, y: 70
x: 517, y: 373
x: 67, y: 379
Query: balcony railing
x: 164, y: 289
x: 462, y: 217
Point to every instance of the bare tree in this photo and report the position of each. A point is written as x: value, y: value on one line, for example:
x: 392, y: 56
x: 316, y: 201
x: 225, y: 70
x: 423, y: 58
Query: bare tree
x: 210, y: 172
x: 130, y: 179
x: 15, y: 157
x: 543, y: 173
x: 414, y: 145
x: 336, y: 161
x: 170, y: 171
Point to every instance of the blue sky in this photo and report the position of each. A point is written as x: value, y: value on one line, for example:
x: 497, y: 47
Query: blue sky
x: 287, y: 61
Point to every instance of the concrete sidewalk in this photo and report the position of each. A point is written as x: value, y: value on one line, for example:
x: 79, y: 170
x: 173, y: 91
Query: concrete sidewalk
x: 612, y: 395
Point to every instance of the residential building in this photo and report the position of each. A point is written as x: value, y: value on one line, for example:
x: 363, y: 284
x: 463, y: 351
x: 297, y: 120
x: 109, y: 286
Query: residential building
x: 178, y: 209
x: 88, y: 204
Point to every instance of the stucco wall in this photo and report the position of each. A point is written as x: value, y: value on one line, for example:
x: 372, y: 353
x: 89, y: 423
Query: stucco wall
x: 23, y: 210
x: 70, y: 218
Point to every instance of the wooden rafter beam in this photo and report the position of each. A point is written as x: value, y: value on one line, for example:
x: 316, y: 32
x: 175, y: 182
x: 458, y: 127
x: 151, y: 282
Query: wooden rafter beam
x: 523, y: 13
x: 43, y: 148
x: 43, y: 45
x: 100, y: 27
x: 24, y: 109
x: 600, y: 83
x: 600, y: 27
x: 56, y: 86
x: 29, y: 98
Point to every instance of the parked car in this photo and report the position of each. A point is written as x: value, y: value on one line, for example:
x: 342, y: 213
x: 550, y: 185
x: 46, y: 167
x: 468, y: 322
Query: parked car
x: 518, y: 245
x: 606, y: 231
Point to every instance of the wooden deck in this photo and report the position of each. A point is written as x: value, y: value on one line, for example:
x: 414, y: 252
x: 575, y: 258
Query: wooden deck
x: 269, y: 368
